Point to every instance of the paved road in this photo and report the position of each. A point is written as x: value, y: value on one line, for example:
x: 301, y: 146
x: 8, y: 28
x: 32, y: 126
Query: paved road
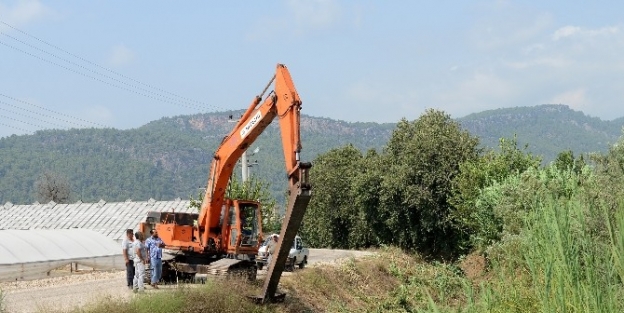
x: 79, y: 289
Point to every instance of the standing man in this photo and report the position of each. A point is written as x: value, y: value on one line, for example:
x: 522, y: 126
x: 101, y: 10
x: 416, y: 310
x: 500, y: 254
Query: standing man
x: 128, y: 253
x: 271, y: 249
x: 154, y: 248
x: 140, y: 261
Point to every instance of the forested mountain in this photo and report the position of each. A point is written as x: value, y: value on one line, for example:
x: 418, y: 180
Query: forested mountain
x: 163, y: 159
x: 170, y: 157
x: 547, y: 129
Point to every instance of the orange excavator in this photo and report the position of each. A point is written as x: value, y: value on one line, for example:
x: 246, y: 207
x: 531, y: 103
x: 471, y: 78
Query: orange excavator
x: 224, y: 237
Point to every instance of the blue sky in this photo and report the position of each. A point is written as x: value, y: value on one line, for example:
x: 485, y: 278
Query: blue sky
x: 122, y: 64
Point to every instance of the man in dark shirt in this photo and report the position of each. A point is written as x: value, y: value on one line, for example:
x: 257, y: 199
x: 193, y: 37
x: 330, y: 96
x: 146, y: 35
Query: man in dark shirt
x: 128, y: 254
x: 154, y: 248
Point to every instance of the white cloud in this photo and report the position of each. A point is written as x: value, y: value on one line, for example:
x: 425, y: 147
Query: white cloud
x: 530, y: 60
x: 575, y: 99
x: 98, y: 113
x: 358, y: 16
x: 570, y: 31
x: 551, y: 62
x: 591, y: 50
x: 533, y: 48
x: 565, y: 31
x: 301, y: 17
x: 314, y: 14
x: 388, y: 103
x: 381, y: 94
x: 480, y: 91
x: 24, y: 12
x: 508, y: 26
x: 121, y: 55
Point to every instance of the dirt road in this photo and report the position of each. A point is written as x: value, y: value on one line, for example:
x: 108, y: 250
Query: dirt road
x: 79, y: 289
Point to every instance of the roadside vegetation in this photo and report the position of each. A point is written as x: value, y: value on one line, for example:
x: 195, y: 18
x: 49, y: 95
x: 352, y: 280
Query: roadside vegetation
x: 545, y: 238
x: 455, y: 228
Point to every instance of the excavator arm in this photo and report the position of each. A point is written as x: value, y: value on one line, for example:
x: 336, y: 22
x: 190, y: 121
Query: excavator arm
x: 283, y: 102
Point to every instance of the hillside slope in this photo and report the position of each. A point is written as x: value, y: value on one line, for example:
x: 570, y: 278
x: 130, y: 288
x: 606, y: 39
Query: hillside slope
x: 163, y: 159
x: 170, y: 157
x: 548, y: 129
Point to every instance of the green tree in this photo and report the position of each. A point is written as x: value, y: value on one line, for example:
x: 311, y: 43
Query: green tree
x: 419, y: 164
x: 330, y: 214
x: 609, y: 168
x: 566, y: 161
x: 254, y: 190
x: 52, y: 187
x: 368, y: 228
x: 481, y: 227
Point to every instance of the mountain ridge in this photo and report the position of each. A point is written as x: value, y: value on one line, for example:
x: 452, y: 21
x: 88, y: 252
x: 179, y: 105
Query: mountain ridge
x: 170, y: 157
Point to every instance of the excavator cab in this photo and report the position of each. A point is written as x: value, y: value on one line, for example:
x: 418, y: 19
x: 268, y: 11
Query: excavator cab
x: 241, y: 231
x: 243, y: 228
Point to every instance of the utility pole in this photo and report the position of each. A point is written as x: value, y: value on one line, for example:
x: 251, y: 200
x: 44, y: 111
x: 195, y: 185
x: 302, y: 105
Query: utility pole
x: 244, y: 166
x: 249, y: 165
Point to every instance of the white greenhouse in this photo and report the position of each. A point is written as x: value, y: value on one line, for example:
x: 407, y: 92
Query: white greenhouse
x: 30, y: 254
x: 110, y: 219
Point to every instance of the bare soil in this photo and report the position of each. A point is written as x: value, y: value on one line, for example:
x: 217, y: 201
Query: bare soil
x: 474, y: 266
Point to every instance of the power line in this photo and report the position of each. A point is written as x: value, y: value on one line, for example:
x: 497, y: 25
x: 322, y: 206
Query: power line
x: 94, y: 78
x: 2, y: 124
x: 32, y: 112
x: 16, y: 120
x: 30, y: 117
x: 52, y: 111
x: 93, y: 71
x: 102, y: 67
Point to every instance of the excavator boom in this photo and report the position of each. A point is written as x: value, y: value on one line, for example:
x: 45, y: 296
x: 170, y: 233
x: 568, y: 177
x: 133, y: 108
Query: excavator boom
x: 284, y: 103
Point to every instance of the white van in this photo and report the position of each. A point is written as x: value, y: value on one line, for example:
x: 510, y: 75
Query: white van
x: 298, y: 255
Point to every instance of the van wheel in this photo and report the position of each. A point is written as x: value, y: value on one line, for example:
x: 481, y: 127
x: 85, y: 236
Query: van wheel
x: 260, y: 265
x: 292, y: 265
x: 303, y: 263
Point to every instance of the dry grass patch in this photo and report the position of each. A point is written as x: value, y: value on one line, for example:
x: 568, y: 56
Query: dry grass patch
x: 354, y: 284
x: 225, y: 296
x: 390, y: 280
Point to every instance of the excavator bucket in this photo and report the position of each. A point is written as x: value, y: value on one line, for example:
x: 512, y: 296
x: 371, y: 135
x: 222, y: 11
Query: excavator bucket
x: 298, y: 200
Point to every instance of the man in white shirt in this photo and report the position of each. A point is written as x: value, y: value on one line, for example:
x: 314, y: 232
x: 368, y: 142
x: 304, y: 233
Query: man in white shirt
x: 271, y: 248
x: 127, y: 249
x: 141, y: 259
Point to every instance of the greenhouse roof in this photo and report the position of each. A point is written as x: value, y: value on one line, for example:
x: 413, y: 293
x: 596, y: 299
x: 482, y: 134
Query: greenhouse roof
x: 109, y: 219
x: 39, y: 245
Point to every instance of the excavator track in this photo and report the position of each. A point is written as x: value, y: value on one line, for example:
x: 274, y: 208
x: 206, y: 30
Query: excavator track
x: 223, y: 268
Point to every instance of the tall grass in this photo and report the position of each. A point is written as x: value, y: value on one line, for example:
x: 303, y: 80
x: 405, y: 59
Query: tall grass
x: 568, y: 256
x: 561, y: 250
x: 571, y: 267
